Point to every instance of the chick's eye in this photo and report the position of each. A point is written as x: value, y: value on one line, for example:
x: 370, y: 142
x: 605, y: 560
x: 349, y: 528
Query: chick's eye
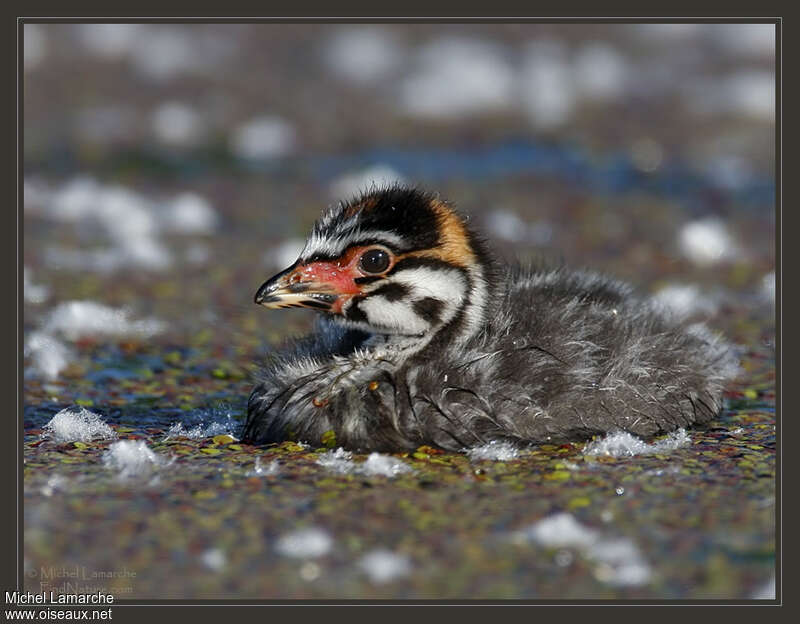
x: 374, y: 261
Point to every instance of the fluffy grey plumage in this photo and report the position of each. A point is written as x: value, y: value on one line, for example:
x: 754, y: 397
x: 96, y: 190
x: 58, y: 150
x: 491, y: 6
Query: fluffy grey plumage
x: 528, y: 354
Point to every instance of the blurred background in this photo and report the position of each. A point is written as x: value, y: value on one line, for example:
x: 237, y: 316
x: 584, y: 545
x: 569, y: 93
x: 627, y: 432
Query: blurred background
x: 169, y: 169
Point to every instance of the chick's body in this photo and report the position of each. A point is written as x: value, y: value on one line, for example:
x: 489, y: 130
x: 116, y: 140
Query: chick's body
x: 450, y: 348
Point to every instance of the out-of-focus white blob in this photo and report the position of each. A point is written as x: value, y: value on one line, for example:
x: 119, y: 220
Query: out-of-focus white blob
x: 214, y: 559
x: 374, y: 177
x: 33, y: 293
x: 495, y: 450
x: 310, y: 543
x: 384, y: 566
x: 261, y: 470
x: 55, y: 483
x: 284, y: 254
x: 706, y: 242
x: 77, y: 425
x: 647, y: 154
x: 340, y: 461
x: 618, y: 561
x: 624, y: 444
x: 362, y: 54
x: 109, y: 41
x: 36, y: 196
x: 458, y: 77
x: 547, y: 89
x: 751, y: 94
x: 600, y: 71
x: 506, y: 225
x: 132, y: 458
x: 35, y: 45
x: 175, y: 123
x: 747, y: 40
x: 262, y: 138
x: 190, y: 213
x: 49, y: 356
x: 77, y: 319
x: 684, y: 300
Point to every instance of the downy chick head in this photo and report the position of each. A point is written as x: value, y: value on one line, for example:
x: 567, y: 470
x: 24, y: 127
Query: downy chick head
x: 396, y: 262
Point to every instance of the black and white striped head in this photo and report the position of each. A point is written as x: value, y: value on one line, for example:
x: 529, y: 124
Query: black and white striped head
x: 397, y: 262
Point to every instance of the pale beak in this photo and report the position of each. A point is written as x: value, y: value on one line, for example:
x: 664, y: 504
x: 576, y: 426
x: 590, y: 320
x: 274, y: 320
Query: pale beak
x: 295, y: 288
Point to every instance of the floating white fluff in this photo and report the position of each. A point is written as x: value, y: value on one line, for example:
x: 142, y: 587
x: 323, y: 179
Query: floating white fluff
x: 377, y: 176
x: 384, y: 566
x: 495, y: 450
x: 77, y: 425
x: 618, y: 560
x: 76, y: 319
x: 49, y: 356
x: 200, y: 431
x: 131, y: 458
x: 706, y: 241
x: 383, y: 465
x: 263, y: 137
x: 546, y: 84
x: 305, y: 543
x: 623, y: 444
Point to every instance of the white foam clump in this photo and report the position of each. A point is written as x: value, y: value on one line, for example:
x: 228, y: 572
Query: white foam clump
x: 200, y: 431
x: 624, y: 444
x: 458, y: 77
x: 376, y: 464
x: 546, y: 85
x: 77, y: 319
x: 49, y: 356
x: 362, y: 53
x: 375, y: 177
x: 284, y: 254
x: 131, y: 458
x: 384, y: 566
x: 496, y: 450
x: 33, y: 293
x: 308, y: 543
x: 263, y: 137
x: 706, y: 241
x: 340, y: 461
x: 77, y: 425
x: 618, y: 561
x: 684, y: 300
x: 176, y: 123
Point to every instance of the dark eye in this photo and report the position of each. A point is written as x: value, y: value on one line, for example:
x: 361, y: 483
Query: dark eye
x: 374, y: 261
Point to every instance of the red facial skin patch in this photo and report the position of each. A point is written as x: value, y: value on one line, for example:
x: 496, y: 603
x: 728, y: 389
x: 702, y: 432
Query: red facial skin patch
x: 338, y: 276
